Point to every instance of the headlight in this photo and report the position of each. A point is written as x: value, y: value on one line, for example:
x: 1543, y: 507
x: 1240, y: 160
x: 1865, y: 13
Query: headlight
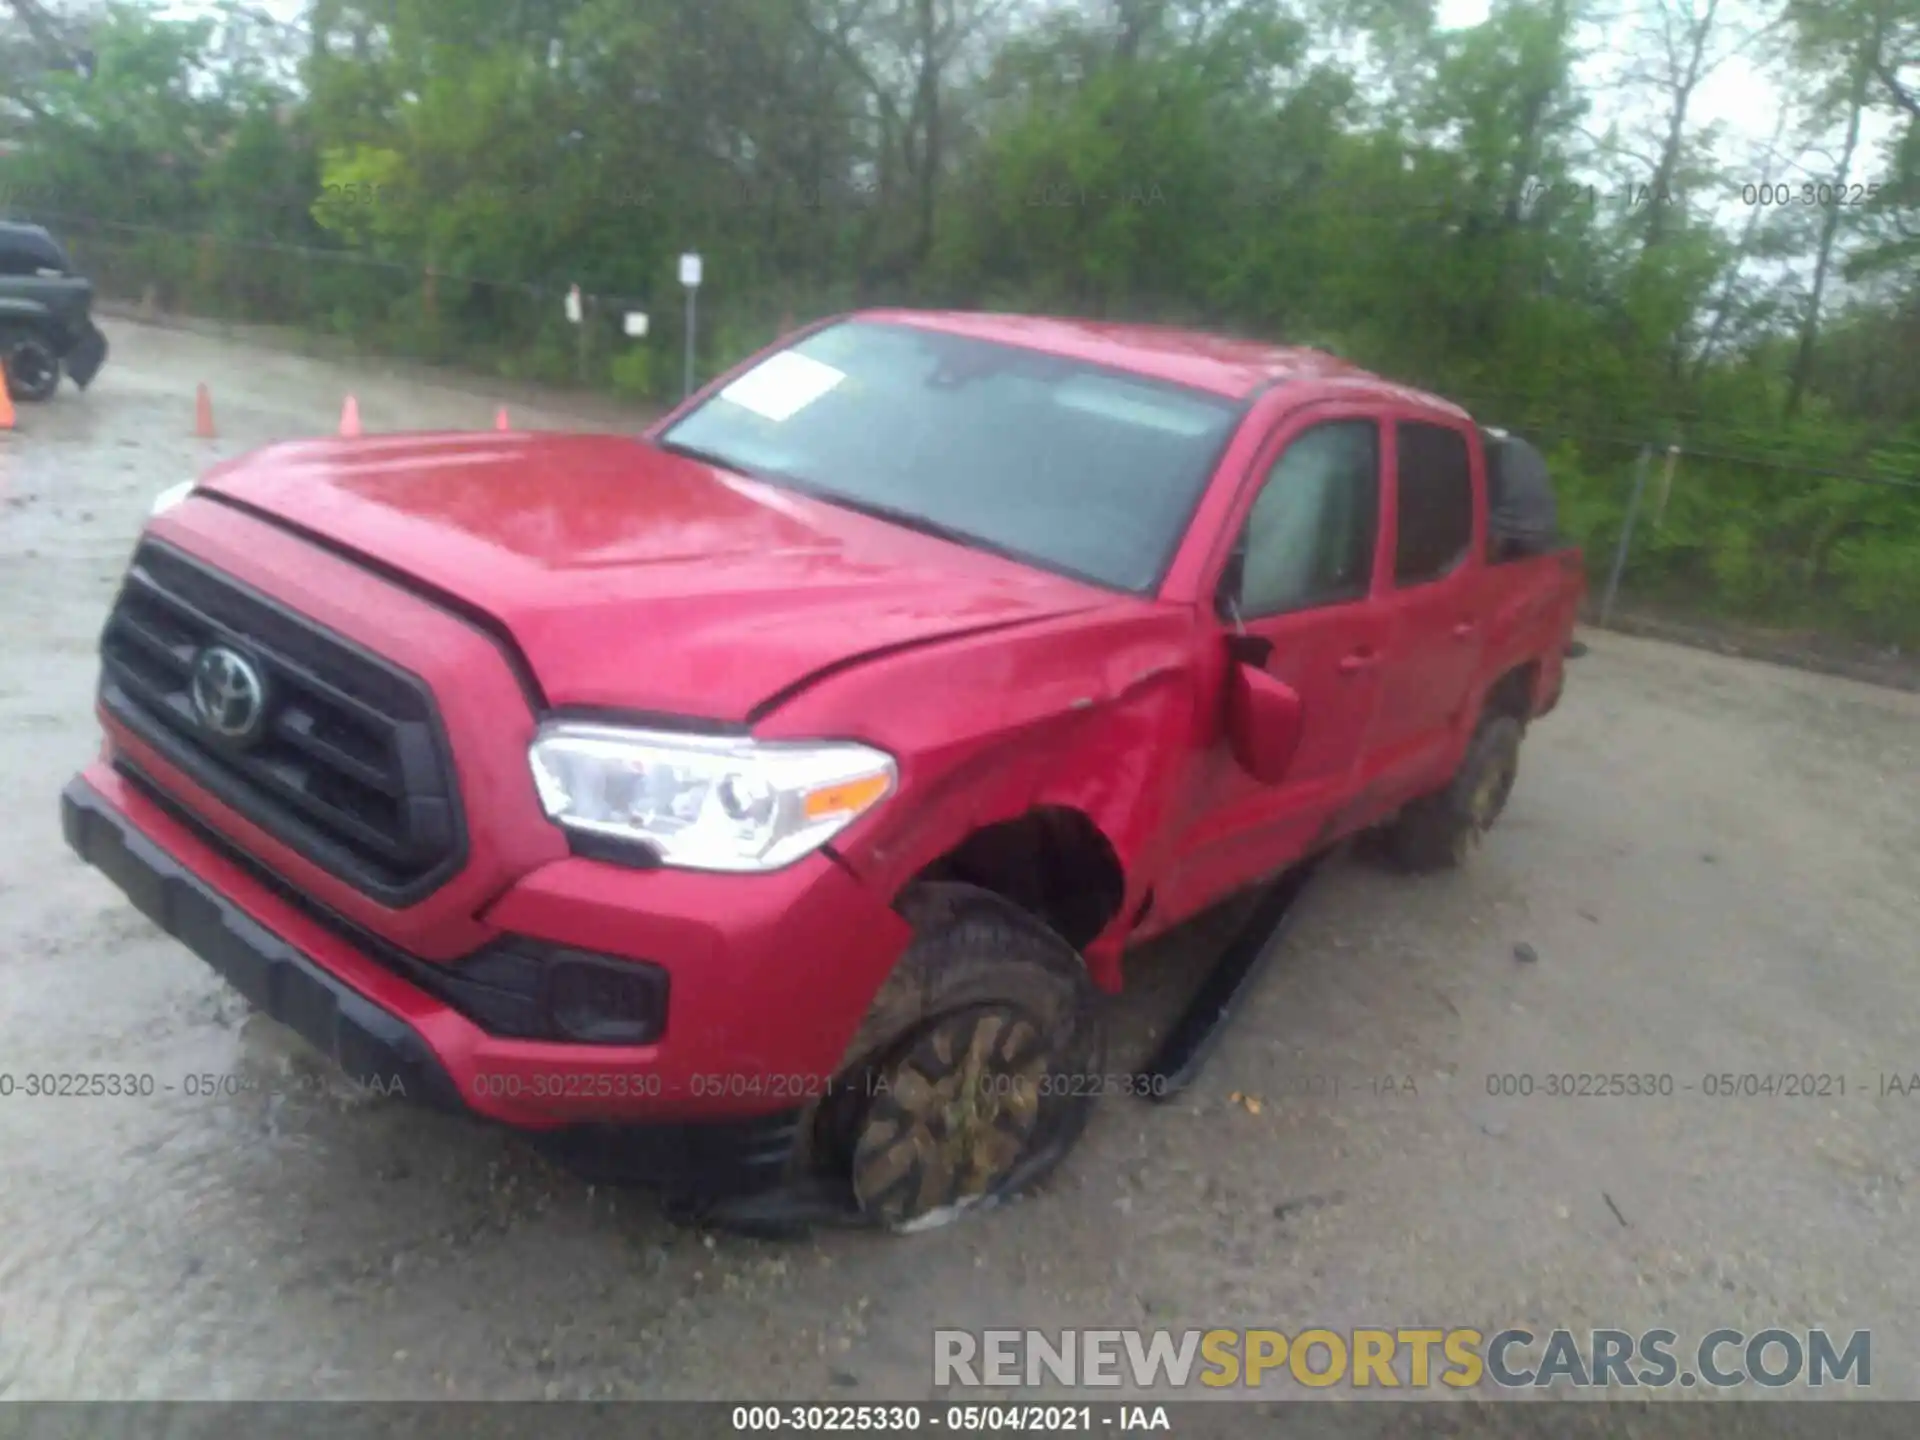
x: 706, y: 802
x: 170, y: 497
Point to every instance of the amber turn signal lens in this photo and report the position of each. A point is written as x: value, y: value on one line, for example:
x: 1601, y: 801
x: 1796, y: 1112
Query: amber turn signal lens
x: 848, y: 797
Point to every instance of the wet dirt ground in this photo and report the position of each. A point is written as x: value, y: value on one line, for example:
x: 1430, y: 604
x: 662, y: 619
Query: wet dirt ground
x: 1715, y: 864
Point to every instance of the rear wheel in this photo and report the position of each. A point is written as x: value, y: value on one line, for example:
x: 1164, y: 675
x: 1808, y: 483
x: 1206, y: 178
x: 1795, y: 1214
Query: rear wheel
x: 32, y: 369
x: 975, y: 1069
x: 1441, y: 830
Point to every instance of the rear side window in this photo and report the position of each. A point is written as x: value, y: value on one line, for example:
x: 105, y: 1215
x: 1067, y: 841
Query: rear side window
x: 1435, y: 506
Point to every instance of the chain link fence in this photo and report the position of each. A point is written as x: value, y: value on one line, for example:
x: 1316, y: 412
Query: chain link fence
x: 1751, y: 553
x: 339, y: 302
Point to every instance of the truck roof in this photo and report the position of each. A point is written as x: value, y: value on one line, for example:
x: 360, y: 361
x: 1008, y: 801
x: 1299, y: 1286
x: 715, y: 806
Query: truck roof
x: 1219, y: 364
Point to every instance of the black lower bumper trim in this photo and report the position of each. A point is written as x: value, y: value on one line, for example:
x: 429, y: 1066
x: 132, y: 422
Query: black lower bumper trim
x: 379, y: 1049
x: 371, y: 1046
x: 714, y: 1163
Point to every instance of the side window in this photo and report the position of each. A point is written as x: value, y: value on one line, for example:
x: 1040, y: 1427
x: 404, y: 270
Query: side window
x: 1435, y: 509
x: 1309, y: 538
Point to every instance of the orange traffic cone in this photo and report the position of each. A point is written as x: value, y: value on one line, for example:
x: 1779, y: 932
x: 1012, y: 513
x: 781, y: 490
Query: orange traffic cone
x: 500, y: 420
x: 6, y: 402
x: 350, y: 417
x: 203, y: 413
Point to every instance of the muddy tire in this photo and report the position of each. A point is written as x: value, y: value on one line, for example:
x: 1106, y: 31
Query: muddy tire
x: 975, y: 1069
x: 32, y: 369
x: 1439, y: 831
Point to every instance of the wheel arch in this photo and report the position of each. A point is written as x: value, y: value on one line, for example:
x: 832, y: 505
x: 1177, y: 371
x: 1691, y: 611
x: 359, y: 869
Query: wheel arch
x: 1512, y: 693
x: 1051, y: 862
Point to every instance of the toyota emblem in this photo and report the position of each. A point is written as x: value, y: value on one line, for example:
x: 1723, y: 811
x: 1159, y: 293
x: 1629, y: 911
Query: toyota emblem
x: 229, y: 696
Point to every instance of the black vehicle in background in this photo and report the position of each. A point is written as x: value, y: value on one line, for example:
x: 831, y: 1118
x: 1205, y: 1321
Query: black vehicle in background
x: 45, y: 316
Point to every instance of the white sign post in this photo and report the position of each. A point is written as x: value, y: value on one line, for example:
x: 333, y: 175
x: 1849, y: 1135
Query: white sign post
x: 576, y: 313
x: 689, y: 277
x: 636, y: 323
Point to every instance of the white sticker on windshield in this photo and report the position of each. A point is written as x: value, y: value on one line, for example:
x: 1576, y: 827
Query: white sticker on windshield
x: 781, y: 387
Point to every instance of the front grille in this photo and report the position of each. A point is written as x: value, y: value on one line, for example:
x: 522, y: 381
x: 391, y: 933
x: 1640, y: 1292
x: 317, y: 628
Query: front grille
x: 351, y: 766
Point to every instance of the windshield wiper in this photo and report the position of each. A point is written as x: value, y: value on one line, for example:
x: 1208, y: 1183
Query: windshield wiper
x: 879, y: 510
x: 912, y: 520
x: 708, y: 457
x: 764, y: 474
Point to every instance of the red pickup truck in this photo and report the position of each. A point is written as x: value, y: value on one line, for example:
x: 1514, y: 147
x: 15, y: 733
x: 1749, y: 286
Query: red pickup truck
x: 763, y: 805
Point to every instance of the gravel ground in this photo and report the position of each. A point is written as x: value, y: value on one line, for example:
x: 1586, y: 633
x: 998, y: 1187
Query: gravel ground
x: 1713, y: 862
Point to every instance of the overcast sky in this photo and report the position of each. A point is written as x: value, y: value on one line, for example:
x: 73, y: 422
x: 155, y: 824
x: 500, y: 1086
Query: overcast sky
x: 1738, y: 96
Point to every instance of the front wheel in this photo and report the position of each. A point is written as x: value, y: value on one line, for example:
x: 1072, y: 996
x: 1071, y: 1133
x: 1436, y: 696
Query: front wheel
x: 1441, y: 830
x: 976, y: 1068
x: 32, y: 369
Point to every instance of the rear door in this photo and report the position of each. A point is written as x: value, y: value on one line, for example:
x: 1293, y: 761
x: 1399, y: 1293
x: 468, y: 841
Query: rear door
x: 1307, y: 550
x: 1433, y: 604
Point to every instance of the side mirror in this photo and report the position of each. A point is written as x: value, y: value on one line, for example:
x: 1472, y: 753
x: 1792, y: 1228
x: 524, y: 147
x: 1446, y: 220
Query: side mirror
x: 1263, y: 721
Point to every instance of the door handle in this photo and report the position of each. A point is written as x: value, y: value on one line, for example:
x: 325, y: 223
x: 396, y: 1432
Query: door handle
x: 1465, y: 629
x: 1354, y: 663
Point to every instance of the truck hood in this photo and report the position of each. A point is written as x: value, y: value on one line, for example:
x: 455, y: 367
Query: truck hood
x: 631, y: 577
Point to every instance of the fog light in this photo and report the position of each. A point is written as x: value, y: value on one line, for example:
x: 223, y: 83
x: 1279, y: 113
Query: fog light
x: 605, y: 1002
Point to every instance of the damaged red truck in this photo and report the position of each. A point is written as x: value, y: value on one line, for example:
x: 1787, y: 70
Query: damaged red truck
x: 762, y: 807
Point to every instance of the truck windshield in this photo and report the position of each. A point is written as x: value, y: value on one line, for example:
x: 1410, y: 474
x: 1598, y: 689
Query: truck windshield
x: 1068, y: 466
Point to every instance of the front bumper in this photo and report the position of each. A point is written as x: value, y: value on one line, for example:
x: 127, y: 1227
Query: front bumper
x: 371, y: 1046
x: 733, y: 1137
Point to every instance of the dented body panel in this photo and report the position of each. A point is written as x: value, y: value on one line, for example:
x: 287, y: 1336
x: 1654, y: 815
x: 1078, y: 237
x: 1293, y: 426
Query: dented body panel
x: 1076, y: 713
